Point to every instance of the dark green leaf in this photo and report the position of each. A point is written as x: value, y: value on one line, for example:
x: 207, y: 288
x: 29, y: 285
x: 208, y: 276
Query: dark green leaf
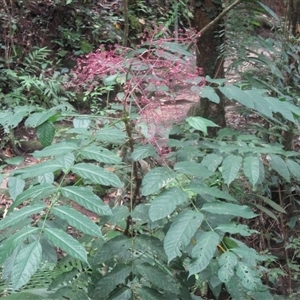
x: 110, y: 281
x: 77, y: 220
x: 203, y: 251
x: 230, y: 168
x: 56, y: 150
x: 15, y: 186
x: 227, y: 263
x: 85, y: 197
x: 143, y: 151
x: 67, y: 243
x: 26, y: 263
x: 165, y: 203
x: 181, y: 232
x: 157, y: 277
x: 100, y: 154
x: 223, y: 208
x: 19, y: 215
x: 155, y: 179
x: 34, y: 193
x: 45, y: 133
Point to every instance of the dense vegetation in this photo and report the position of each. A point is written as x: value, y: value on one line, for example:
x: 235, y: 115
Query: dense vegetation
x: 107, y: 193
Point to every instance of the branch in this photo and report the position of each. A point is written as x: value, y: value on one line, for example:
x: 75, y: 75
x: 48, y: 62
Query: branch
x: 220, y: 16
x: 216, y: 20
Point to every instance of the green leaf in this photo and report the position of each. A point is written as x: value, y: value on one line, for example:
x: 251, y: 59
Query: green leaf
x: 165, y: 203
x: 19, y: 215
x: 111, y: 280
x: 157, y: 277
x: 230, y: 168
x: 294, y: 168
x: 266, y: 211
x: 203, y: 190
x: 210, y: 93
x: 66, y: 161
x: 236, y: 289
x: 47, y: 178
x: 26, y: 263
x: 140, y: 214
x: 150, y: 245
x: 233, y: 228
x: 17, y: 160
x: 77, y: 220
x: 252, y: 166
x: 234, y: 93
x: 149, y: 294
x: 123, y: 293
x: 15, y: 186
x: 273, y: 204
x: 282, y: 107
x: 181, y: 232
x: 111, y: 135
x: 250, y: 279
x: 115, y: 247
x: 211, y: 161
x: 192, y: 169
x: 67, y: 243
x: 10, y: 244
x: 96, y: 174
x: 32, y: 294
x: 227, y: 263
x: 155, y: 179
x: 269, y: 11
x: 203, y: 251
x: 279, y: 165
x: 143, y: 151
x: 56, y: 150
x: 38, y: 169
x: 34, y: 193
x: 85, y: 197
x: 200, y: 123
x: 39, y: 118
x: 223, y: 208
x: 100, y: 154
x: 45, y: 133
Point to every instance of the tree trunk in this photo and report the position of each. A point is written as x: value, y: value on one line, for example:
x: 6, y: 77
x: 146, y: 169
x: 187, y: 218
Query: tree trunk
x: 208, y: 57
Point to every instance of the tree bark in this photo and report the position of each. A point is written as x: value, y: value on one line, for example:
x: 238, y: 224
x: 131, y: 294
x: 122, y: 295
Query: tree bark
x: 208, y: 56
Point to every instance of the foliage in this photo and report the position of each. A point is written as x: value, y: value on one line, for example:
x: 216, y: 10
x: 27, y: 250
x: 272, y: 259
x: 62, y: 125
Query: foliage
x: 122, y: 207
x: 33, y: 82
